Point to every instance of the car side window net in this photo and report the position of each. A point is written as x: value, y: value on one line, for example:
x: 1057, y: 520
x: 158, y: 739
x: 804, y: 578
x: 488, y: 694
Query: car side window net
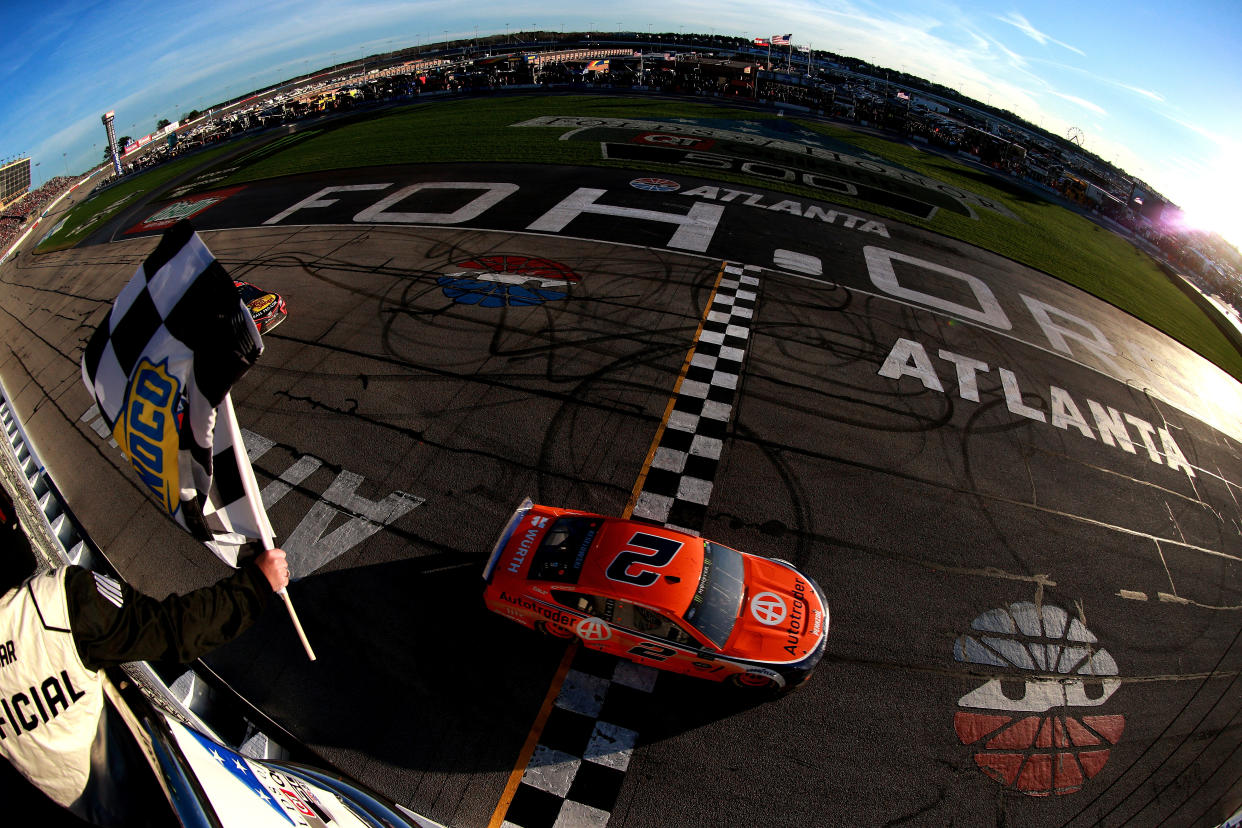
x: 580, y: 602
x: 650, y: 622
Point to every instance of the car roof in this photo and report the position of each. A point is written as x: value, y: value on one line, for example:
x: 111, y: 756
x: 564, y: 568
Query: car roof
x: 678, y: 579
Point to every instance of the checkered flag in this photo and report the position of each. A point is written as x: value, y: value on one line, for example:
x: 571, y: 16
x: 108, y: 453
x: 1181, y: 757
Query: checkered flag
x: 160, y: 367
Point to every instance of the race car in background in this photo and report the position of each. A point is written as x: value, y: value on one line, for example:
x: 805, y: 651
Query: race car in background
x: 267, y: 309
x: 659, y: 597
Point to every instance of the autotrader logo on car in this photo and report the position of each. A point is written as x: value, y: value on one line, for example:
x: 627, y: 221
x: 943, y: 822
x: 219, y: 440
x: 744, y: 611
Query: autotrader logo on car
x: 768, y: 608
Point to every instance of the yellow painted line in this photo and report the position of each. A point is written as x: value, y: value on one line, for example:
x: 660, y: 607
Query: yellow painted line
x: 532, y: 738
x: 672, y: 401
x: 549, y: 699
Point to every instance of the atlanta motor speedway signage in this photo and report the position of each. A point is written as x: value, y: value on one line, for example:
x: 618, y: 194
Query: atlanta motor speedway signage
x: 770, y: 157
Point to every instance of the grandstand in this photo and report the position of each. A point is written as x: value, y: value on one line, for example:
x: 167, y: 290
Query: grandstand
x: 25, y: 208
x: 14, y: 181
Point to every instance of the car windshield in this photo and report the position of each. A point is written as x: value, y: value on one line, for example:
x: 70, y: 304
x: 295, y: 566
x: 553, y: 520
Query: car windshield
x: 715, y: 605
x: 249, y: 293
x: 560, y: 556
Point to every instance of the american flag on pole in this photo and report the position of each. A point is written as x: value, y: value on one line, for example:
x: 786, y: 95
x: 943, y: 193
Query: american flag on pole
x: 761, y: 41
x: 781, y: 40
x: 160, y: 367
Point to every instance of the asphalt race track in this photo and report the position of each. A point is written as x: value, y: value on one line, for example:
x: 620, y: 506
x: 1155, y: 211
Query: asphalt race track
x: 1002, y: 484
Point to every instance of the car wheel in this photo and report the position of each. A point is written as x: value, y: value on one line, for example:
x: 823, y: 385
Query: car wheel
x: 753, y: 683
x: 554, y: 630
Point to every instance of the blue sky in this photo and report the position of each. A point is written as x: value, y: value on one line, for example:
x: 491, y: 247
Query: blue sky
x: 1155, y: 87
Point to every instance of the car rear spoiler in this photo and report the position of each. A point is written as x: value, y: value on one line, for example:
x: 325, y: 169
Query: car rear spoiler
x: 510, y: 528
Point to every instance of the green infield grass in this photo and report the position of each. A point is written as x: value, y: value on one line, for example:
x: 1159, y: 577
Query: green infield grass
x: 1045, y: 236
x: 84, y: 218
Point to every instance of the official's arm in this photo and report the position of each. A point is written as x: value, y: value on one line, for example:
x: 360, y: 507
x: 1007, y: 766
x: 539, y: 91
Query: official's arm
x: 114, y: 623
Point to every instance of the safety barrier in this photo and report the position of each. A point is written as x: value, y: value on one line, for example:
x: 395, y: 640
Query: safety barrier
x: 59, y: 539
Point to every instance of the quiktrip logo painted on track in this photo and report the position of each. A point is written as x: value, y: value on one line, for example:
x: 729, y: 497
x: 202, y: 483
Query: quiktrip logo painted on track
x: 184, y: 208
x: 508, y: 281
x: 1048, y: 668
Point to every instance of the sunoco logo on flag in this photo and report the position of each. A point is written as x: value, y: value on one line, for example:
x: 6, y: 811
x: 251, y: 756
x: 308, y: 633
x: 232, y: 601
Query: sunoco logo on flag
x: 160, y: 367
x: 147, y: 429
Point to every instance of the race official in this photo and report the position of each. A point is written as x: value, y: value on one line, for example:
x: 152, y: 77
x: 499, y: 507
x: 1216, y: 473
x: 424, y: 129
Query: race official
x: 58, y: 629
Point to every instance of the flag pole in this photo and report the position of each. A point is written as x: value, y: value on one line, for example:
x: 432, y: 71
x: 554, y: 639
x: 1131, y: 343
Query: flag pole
x: 297, y: 623
x: 254, y: 500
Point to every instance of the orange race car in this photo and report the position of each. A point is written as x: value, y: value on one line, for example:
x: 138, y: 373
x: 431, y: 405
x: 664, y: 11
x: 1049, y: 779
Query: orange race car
x: 658, y: 596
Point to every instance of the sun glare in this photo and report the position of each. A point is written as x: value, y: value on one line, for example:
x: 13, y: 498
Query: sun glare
x: 1222, y: 219
x: 1213, y: 206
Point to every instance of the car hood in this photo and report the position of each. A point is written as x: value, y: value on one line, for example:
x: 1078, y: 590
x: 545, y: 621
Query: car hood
x: 783, y: 617
x: 262, y: 303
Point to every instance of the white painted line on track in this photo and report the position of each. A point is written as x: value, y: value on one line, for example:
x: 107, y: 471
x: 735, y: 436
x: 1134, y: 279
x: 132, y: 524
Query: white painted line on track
x: 828, y: 283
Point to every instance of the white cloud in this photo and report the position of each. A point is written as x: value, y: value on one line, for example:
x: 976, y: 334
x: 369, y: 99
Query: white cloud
x: 1023, y: 25
x: 1146, y: 93
x: 1082, y: 102
x: 1222, y: 142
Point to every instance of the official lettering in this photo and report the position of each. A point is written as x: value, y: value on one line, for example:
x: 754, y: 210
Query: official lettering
x: 53, y: 696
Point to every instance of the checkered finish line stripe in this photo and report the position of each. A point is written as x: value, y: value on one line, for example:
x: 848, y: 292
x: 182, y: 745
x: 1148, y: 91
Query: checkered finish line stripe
x: 679, y: 483
x: 575, y: 774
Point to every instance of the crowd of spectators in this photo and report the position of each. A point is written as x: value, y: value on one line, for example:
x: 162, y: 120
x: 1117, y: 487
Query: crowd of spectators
x: 16, y: 217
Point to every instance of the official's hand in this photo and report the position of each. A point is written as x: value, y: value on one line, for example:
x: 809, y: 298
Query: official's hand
x: 272, y: 563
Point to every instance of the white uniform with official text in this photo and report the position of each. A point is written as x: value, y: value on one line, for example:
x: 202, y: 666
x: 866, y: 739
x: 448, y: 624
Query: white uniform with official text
x: 50, y: 703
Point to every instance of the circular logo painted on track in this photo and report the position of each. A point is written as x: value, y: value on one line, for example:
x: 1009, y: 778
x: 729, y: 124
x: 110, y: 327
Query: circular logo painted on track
x: 768, y: 608
x: 655, y: 185
x: 1031, y: 723
x: 507, y: 281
